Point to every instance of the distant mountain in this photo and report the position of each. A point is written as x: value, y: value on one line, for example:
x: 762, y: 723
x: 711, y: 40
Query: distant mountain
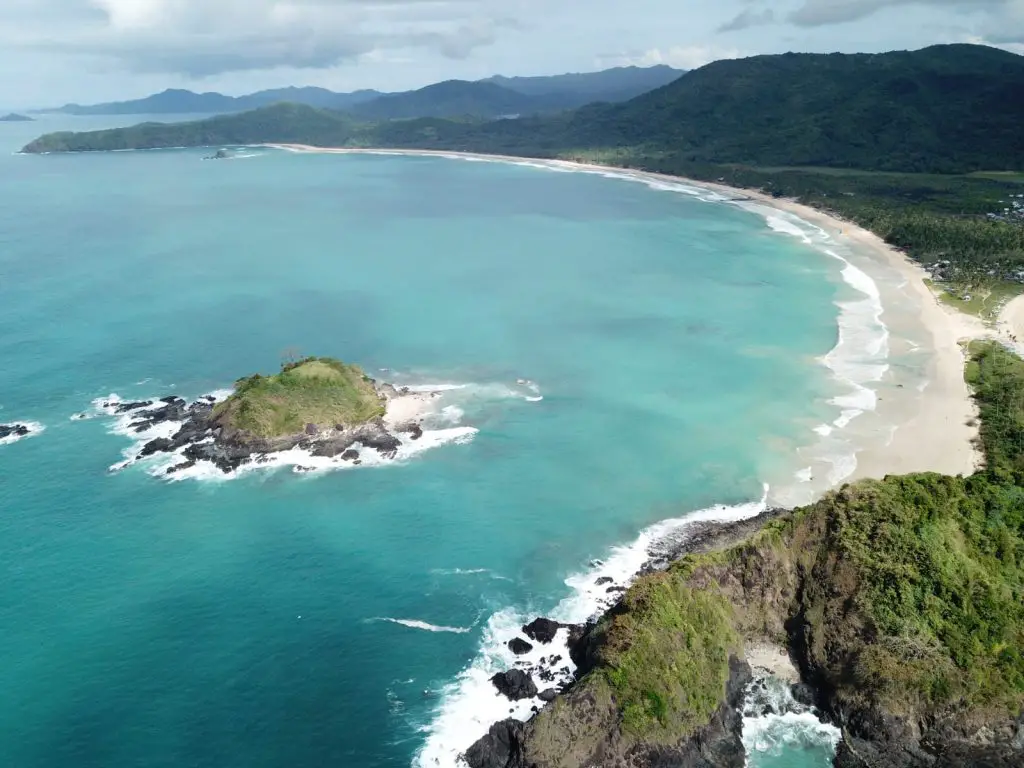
x: 458, y: 98
x: 450, y: 99
x: 181, y: 102
x: 950, y: 108
x: 618, y: 84
x: 15, y: 118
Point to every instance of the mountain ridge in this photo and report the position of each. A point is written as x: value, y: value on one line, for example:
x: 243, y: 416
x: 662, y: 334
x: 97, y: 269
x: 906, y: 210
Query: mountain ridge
x: 616, y: 84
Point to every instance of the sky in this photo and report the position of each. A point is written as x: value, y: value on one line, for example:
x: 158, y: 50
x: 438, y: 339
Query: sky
x: 86, y: 51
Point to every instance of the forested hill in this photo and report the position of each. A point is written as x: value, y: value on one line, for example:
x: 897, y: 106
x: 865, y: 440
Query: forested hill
x: 952, y: 108
x: 945, y: 108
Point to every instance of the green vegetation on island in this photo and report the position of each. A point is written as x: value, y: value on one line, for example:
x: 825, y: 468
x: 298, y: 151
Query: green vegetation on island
x: 319, y: 391
x: 14, y: 117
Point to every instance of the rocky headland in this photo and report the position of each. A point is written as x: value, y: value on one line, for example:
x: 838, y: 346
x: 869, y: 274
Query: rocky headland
x: 318, y: 405
x: 893, y: 608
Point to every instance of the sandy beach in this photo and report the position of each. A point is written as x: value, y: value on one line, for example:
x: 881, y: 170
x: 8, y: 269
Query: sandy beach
x: 927, y: 427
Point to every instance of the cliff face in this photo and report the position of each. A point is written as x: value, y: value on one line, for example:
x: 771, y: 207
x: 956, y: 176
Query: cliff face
x: 900, y: 601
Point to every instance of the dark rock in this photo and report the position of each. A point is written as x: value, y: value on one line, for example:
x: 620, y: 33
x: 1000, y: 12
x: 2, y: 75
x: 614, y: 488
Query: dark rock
x: 604, y: 580
x: 350, y: 455
x: 502, y: 747
x: 13, y: 430
x: 803, y: 694
x: 542, y: 630
x: 159, y: 445
x: 172, y: 400
x: 548, y: 695
x: 615, y: 590
x: 179, y: 467
x: 311, y: 429
x: 126, y: 407
x: 518, y: 646
x: 515, y: 685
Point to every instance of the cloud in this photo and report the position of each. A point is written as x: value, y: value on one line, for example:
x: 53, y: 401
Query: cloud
x: 202, y: 38
x: 816, y: 13
x: 679, y: 56
x: 749, y: 18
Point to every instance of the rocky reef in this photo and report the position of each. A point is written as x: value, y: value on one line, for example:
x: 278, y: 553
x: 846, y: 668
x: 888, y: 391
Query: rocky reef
x: 11, y: 432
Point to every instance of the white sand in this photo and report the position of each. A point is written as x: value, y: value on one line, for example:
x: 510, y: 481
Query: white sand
x: 935, y: 429
x: 773, y: 659
x: 1010, y: 325
x: 405, y: 408
x: 924, y: 431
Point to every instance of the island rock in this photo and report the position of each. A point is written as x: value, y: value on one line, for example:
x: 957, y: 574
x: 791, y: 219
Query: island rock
x: 320, y: 405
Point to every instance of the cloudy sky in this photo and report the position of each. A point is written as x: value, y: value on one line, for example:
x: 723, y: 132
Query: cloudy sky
x: 54, y: 51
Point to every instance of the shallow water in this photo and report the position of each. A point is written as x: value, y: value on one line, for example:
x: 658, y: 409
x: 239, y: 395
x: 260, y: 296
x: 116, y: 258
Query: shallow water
x: 339, y: 618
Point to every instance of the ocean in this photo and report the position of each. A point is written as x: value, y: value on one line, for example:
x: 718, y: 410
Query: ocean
x: 614, y: 357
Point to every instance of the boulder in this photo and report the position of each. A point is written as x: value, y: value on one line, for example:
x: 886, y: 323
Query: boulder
x: 604, y: 580
x: 126, y: 407
x: 518, y: 646
x: 542, y: 630
x: 548, y: 695
x: 515, y: 685
x: 159, y: 445
x: 502, y: 747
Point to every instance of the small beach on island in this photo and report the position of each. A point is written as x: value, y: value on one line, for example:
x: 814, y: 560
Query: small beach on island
x: 914, y: 424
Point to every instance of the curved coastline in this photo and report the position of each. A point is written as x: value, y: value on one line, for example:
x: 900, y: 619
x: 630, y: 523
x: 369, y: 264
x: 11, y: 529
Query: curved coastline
x: 917, y: 418
x: 913, y: 425
x: 893, y: 420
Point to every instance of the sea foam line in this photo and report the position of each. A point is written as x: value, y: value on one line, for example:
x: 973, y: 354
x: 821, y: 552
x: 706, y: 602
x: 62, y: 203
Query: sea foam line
x: 470, y: 704
x: 427, y: 627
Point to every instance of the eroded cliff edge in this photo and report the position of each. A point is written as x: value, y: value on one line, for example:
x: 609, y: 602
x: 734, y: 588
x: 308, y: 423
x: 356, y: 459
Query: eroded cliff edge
x: 901, y: 601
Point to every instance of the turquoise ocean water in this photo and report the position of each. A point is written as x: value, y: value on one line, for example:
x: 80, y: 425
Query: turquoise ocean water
x: 251, y: 623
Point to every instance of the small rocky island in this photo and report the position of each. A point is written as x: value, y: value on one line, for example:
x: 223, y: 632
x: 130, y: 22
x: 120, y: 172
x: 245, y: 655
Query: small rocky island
x: 16, y: 118
x: 220, y: 154
x: 12, y: 432
x: 320, y: 405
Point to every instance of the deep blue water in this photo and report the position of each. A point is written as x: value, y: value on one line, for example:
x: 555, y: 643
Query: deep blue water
x: 209, y: 623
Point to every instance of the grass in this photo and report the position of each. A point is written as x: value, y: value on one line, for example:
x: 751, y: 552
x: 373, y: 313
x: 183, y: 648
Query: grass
x: 319, y: 391
x: 666, y: 658
x: 984, y: 300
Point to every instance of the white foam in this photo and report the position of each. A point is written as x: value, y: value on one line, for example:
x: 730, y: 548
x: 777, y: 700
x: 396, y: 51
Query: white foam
x: 417, y: 624
x: 805, y: 475
x: 469, y: 572
x: 33, y: 427
x: 470, y: 704
x: 823, y: 429
x: 843, y: 466
x: 303, y: 462
x: 789, y: 725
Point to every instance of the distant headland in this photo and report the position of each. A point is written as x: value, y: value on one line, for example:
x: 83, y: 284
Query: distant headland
x: 14, y: 117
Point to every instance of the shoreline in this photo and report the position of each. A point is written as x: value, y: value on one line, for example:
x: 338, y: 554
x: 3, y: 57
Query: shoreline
x: 917, y: 421
x: 924, y: 427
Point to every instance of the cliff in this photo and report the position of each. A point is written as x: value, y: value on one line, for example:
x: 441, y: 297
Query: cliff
x: 901, y: 601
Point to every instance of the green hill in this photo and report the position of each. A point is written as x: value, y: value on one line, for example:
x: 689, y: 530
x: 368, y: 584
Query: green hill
x: 320, y: 391
x: 953, y: 108
x: 280, y: 123
x: 457, y: 98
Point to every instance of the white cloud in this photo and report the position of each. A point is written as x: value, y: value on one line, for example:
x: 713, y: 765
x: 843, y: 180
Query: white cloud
x: 200, y: 38
x: 678, y: 56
